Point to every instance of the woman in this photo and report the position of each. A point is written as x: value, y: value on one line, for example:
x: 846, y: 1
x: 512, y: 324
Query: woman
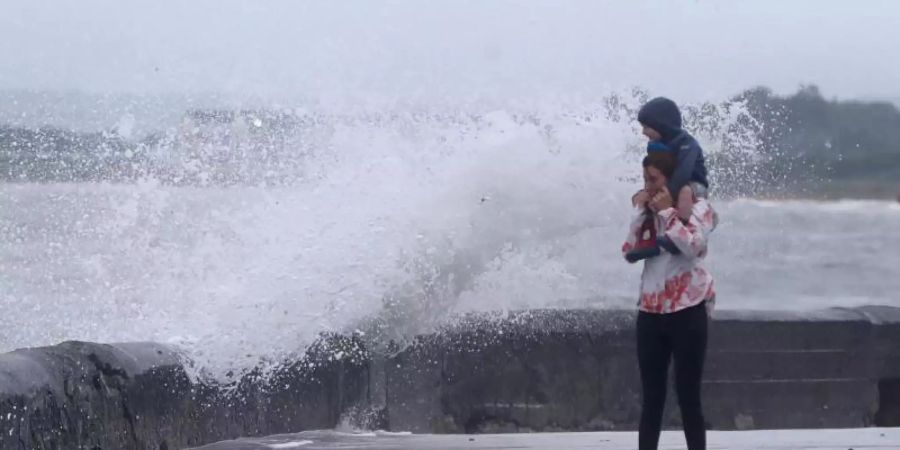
x: 676, y: 295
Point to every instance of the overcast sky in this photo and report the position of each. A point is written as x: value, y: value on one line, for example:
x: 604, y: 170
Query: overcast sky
x: 696, y: 49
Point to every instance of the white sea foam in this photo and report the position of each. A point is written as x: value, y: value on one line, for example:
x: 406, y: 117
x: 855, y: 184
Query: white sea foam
x: 399, y: 214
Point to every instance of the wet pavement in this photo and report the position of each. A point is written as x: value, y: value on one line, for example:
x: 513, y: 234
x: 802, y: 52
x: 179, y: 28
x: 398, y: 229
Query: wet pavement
x: 866, y: 438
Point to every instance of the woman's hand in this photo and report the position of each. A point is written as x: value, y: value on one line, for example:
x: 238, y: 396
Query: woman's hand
x: 641, y: 198
x: 662, y: 200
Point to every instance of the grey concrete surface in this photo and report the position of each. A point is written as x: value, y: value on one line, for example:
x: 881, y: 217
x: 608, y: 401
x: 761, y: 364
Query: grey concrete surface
x: 870, y: 438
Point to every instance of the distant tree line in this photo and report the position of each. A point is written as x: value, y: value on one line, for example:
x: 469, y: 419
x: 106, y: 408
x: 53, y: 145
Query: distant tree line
x: 805, y: 134
x: 798, y: 137
x: 55, y: 155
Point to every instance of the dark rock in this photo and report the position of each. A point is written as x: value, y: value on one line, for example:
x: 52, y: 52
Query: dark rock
x: 139, y: 396
x: 83, y: 395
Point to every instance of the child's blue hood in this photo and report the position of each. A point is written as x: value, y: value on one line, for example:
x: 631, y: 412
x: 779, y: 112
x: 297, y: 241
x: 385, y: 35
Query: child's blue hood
x: 662, y: 115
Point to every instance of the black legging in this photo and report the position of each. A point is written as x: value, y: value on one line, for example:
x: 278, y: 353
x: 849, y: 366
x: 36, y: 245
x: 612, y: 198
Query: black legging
x: 660, y: 337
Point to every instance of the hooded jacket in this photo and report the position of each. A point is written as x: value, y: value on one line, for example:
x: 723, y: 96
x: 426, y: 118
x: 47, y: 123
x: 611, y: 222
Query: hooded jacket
x: 669, y: 282
x: 663, y: 115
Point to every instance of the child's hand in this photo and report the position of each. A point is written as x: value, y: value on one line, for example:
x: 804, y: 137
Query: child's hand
x: 661, y: 201
x: 641, y: 198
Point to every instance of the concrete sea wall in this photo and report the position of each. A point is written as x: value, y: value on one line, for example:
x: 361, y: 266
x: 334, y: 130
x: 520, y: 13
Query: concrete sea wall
x: 527, y: 371
x: 577, y: 370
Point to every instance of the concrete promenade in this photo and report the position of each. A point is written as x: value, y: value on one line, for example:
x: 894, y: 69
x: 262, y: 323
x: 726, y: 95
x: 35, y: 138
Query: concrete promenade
x: 830, y: 439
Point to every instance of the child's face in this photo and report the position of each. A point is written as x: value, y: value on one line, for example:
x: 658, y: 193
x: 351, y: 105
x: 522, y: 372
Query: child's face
x: 654, y: 180
x: 651, y: 134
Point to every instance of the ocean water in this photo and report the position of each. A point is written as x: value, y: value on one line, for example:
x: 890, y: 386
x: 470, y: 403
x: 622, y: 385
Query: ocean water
x: 405, y: 219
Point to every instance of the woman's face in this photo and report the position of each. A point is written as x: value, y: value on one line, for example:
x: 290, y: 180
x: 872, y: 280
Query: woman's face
x: 654, y: 180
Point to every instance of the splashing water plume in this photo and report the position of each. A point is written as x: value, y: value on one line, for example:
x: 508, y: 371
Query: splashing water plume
x: 338, y: 220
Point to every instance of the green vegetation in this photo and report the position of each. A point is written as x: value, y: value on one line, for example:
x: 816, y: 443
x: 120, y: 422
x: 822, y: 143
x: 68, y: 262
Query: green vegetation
x: 854, y: 145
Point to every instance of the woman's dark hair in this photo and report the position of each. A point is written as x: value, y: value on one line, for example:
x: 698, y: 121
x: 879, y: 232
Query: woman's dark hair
x: 665, y: 162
